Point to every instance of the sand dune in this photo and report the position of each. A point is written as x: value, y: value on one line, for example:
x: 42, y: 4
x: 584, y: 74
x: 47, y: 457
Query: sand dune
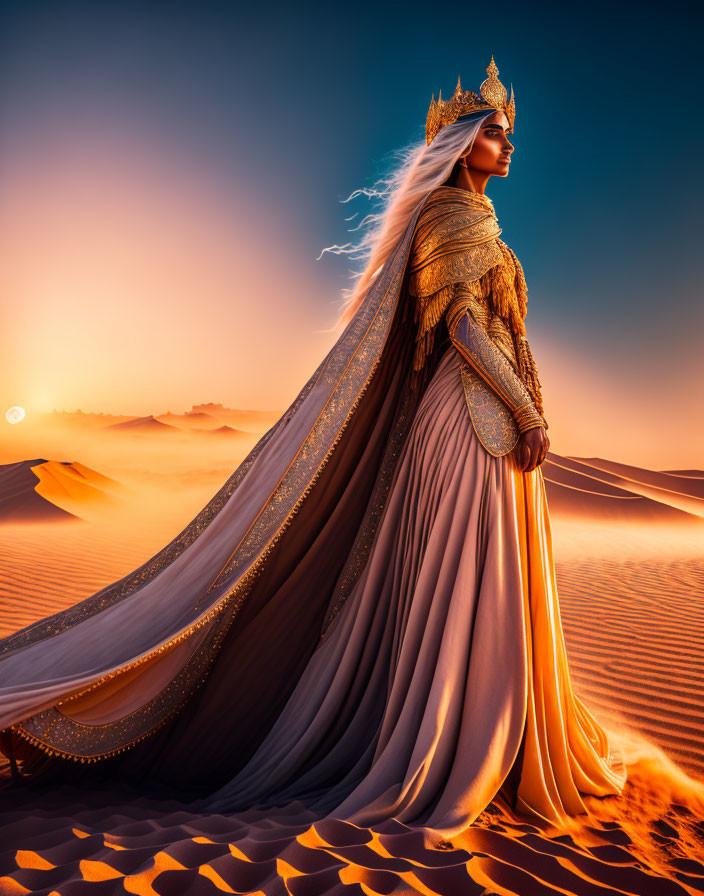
x: 142, y: 424
x: 45, y: 490
x: 597, y: 488
x: 629, y: 547
x: 74, y: 486
x: 248, y: 420
x: 212, y: 416
x: 687, y: 474
x: 687, y: 483
x: 19, y: 500
x: 255, y: 419
x: 227, y: 431
x: 197, y: 422
x: 190, y: 420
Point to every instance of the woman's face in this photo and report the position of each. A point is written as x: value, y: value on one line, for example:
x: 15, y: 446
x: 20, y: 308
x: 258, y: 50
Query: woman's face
x: 491, y: 150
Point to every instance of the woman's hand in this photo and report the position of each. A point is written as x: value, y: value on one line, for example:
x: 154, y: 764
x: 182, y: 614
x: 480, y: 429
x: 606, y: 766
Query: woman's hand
x: 531, y: 449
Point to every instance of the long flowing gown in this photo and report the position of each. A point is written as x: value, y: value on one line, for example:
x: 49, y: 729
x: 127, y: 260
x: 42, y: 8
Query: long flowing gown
x: 440, y: 677
x: 446, y: 669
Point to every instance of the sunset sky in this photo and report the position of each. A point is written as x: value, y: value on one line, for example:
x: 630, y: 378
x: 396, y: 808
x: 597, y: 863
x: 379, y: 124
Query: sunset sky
x: 169, y: 174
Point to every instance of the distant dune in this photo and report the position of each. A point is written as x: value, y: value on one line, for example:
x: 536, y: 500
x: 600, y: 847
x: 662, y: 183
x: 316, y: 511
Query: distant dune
x: 251, y: 420
x: 19, y: 499
x: 594, y: 488
x: 197, y: 420
x: 207, y: 416
x: 142, y: 424
x: 42, y: 490
x: 689, y: 474
x: 217, y: 416
x: 689, y: 483
x: 226, y: 430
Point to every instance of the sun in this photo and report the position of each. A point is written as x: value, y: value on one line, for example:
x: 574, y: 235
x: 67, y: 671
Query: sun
x: 15, y: 414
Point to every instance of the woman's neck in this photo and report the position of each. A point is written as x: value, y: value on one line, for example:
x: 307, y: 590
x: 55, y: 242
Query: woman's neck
x: 472, y: 180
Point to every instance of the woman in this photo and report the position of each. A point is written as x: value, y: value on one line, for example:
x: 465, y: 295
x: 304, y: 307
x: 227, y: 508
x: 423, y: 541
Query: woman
x: 364, y: 619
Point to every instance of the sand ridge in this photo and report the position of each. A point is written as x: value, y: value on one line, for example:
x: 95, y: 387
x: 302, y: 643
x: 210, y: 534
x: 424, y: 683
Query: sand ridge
x: 117, y: 842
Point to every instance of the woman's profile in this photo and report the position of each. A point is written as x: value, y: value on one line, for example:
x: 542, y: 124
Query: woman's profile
x: 364, y: 620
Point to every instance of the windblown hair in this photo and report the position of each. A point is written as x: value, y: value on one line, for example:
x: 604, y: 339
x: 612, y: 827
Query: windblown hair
x: 422, y: 168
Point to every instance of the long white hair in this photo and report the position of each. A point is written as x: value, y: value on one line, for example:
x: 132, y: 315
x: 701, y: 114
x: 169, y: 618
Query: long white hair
x: 422, y: 168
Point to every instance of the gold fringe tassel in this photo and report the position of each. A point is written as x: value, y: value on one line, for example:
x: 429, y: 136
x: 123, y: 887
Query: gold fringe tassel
x: 507, y: 293
x: 428, y: 314
x: 529, y: 373
x: 503, y: 292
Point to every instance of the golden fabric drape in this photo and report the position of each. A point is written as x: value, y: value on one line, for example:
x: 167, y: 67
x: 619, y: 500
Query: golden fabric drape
x: 565, y: 750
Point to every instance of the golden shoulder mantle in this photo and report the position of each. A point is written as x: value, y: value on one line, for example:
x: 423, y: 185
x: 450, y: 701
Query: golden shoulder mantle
x: 457, y: 256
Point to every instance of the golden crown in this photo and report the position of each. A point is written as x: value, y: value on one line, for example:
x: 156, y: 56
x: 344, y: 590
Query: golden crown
x: 492, y: 95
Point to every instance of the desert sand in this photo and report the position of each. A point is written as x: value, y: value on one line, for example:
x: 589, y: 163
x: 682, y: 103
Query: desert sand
x: 86, y: 498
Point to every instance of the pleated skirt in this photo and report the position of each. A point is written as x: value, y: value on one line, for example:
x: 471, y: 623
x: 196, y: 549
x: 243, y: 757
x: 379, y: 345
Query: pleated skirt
x: 443, y: 682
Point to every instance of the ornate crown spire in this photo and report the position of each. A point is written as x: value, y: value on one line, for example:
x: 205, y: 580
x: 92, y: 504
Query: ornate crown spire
x: 492, y: 95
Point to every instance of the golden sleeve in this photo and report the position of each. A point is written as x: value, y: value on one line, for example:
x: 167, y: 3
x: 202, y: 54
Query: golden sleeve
x: 475, y: 346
